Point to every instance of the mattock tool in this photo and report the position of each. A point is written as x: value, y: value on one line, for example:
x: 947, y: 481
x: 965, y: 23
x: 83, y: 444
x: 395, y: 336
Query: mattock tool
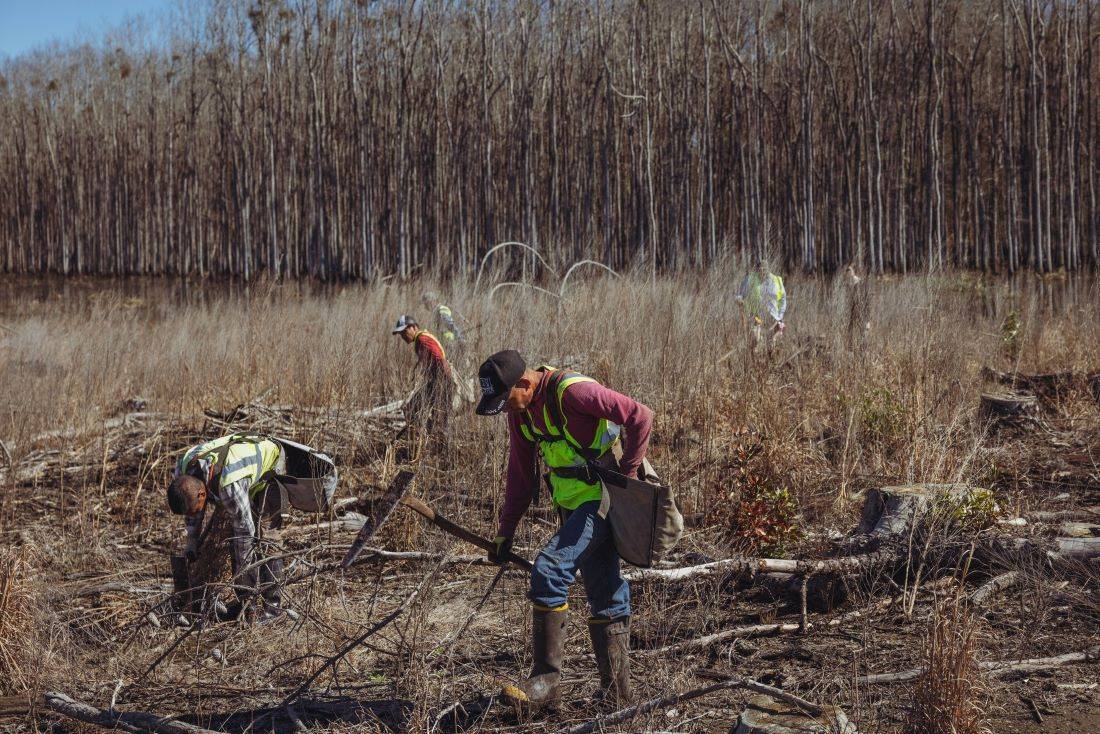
x: 460, y: 532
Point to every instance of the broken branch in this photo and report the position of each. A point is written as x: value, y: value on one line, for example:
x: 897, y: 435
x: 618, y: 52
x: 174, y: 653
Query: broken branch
x: 665, y: 701
x: 132, y: 721
x: 996, y: 667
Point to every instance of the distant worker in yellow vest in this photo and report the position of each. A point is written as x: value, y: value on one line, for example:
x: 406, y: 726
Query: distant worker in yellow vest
x: 236, y: 476
x: 764, y: 300
x: 445, y: 324
x: 572, y: 422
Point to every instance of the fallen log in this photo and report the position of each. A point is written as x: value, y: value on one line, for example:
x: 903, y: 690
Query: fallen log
x: 995, y: 667
x: 751, y: 566
x: 1056, y: 515
x: 118, y: 587
x: 1079, y: 530
x: 131, y: 721
x: 1062, y: 550
x: 347, y: 521
x: 889, y: 516
x: 653, y: 704
x: 381, y: 410
x: 1030, y: 665
x: 745, y: 631
x: 378, y: 554
x: 994, y: 586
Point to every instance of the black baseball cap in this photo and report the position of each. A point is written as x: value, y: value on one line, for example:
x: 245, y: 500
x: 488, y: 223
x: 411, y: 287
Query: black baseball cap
x: 497, y: 376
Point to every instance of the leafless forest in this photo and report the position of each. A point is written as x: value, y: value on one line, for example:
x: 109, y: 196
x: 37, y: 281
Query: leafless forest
x: 346, y: 140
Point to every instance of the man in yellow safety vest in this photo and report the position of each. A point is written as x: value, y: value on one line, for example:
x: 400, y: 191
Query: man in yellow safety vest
x: 449, y: 331
x: 762, y: 295
x: 572, y: 422
x: 236, y: 475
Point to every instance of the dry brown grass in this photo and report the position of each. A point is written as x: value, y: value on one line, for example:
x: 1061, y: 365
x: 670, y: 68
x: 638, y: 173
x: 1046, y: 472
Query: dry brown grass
x: 31, y: 641
x: 839, y: 414
x: 950, y: 696
x: 16, y: 622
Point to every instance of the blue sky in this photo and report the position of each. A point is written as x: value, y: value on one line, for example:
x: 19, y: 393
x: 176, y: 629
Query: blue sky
x: 25, y: 24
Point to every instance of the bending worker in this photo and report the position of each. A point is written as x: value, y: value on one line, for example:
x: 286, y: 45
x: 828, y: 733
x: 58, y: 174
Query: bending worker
x: 430, y: 405
x: 762, y: 294
x: 444, y: 320
x: 572, y: 420
x: 237, y: 474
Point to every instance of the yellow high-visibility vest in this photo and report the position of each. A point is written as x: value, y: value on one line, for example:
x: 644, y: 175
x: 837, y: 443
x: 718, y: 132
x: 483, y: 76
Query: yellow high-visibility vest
x: 237, y: 457
x: 559, y: 449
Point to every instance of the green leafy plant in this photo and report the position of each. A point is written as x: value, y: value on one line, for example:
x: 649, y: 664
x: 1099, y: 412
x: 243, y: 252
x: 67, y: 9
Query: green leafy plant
x: 762, y: 515
x: 976, y: 509
x: 883, y: 416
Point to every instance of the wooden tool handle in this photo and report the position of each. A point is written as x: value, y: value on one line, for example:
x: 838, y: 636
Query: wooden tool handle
x: 418, y: 506
x: 415, y: 504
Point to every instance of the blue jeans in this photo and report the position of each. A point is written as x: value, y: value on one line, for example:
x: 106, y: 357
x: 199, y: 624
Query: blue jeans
x: 583, y: 543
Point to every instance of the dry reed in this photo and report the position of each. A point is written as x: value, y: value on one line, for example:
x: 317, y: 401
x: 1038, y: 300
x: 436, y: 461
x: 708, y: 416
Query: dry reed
x: 950, y: 697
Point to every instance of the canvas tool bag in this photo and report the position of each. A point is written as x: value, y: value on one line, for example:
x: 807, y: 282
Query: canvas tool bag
x: 310, y: 478
x: 645, y: 522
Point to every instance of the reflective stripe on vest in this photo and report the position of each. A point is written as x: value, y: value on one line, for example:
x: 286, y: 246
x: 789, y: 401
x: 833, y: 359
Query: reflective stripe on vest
x: 432, y: 337
x: 245, y: 457
x: 558, y: 446
x: 780, y: 292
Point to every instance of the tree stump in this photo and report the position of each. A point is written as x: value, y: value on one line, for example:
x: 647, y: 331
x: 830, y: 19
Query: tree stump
x: 1004, y: 409
x: 766, y: 715
x: 889, y: 513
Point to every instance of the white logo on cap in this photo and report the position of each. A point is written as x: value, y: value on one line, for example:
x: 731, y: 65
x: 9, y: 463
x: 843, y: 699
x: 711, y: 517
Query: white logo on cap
x: 487, y: 386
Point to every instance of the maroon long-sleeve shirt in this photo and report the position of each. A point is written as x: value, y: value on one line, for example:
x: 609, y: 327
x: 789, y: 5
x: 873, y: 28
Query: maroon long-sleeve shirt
x: 583, y: 405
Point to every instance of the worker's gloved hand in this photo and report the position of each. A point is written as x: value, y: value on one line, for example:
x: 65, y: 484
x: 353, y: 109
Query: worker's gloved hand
x: 502, y: 546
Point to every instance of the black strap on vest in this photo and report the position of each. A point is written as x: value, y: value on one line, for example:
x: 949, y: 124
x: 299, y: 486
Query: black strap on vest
x: 557, y: 421
x: 587, y: 472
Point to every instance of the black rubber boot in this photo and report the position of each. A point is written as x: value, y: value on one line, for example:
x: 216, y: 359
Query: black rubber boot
x: 548, y: 650
x: 611, y: 644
